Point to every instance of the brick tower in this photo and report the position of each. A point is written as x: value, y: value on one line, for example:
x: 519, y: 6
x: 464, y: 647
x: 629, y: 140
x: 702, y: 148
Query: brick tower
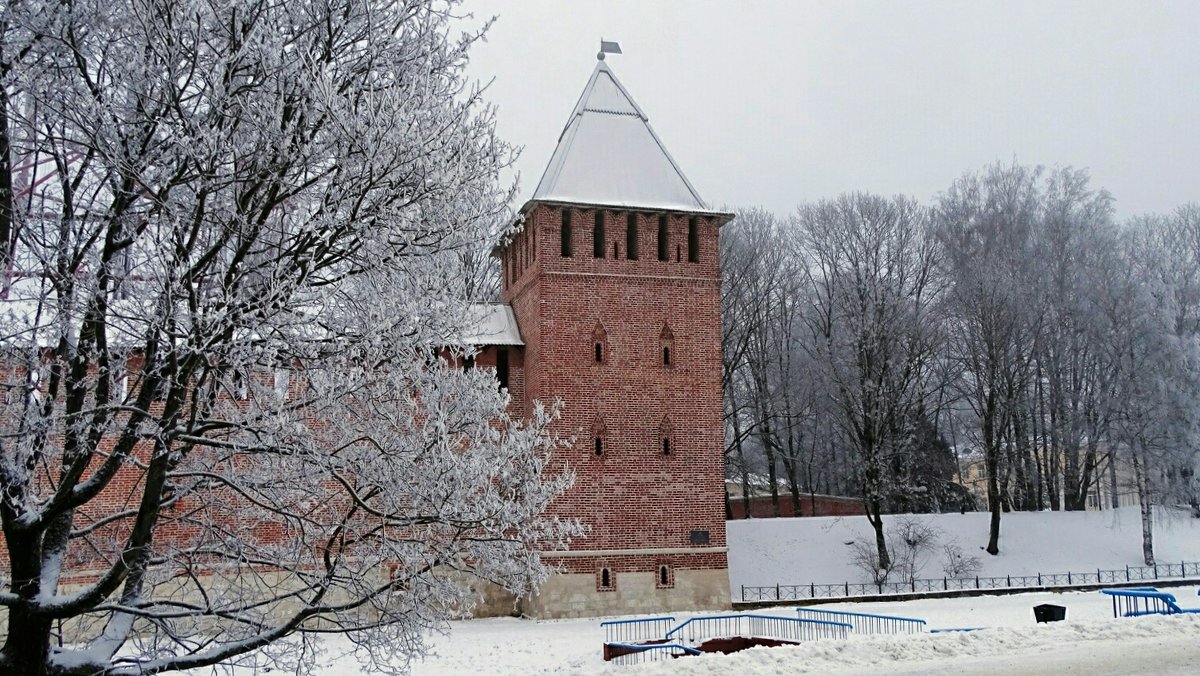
x: 615, y: 284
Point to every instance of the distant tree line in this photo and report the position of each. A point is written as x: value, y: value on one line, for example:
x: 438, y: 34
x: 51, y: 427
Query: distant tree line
x: 869, y: 342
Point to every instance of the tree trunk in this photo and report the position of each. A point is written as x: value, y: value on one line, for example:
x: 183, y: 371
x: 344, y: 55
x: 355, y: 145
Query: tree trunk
x: 736, y: 420
x: 7, y: 234
x: 1074, y: 494
x: 873, y: 502
x: 768, y: 444
x: 993, y: 546
x: 791, y: 459
x: 1058, y: 451
x: 791, y: 468
x: 1148, y: 533
x: 991, y: 463
x: 1115, y: 498
x: 27, y: 649
x: 1143, y: 490
x: 741, y: 456
x: 1036, y: 459
x: 1006, y: 479
x: 766, y: 435
x: 875, y: 516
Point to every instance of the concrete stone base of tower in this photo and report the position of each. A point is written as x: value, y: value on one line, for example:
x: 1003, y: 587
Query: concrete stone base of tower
x: 635, y: 584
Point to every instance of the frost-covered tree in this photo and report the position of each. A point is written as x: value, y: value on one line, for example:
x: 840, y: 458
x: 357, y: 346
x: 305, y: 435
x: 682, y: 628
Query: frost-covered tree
x: 985, y: 224
x: 1075, y: 248
x: 874, y: 326
x: 1156, y: 400
x: 233, y: 238
x: 769, y: 384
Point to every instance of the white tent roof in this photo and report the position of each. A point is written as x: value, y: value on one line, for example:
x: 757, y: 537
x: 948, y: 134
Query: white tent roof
x: 608, y: 155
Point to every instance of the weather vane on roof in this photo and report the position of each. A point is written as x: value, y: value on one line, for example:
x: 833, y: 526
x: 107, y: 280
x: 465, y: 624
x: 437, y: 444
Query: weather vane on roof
x: 607, y: 48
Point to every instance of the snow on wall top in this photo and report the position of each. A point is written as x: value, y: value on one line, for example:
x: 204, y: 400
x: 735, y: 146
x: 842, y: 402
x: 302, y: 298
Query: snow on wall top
x: 492, y: 324
x: 608, y: 155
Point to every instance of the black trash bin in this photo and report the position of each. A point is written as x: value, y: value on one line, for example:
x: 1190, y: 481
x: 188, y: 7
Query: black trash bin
x: 1049, y: 613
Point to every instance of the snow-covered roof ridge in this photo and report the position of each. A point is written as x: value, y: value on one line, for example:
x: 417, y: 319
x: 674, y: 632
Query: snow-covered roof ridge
x: 492, y: 324
x: 609, y: 155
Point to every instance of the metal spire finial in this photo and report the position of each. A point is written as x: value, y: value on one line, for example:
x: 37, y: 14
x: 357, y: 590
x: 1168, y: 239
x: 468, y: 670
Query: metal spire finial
x: 607, y: 48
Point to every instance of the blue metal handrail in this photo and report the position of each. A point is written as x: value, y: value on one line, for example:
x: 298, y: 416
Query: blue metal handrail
x: 846, y: 612
x: 668, y: 618
x: 1130, y: 602
x: 641, y: 629
x: 795, y: 620
x: 1140, y: 592
x: 868, y: 623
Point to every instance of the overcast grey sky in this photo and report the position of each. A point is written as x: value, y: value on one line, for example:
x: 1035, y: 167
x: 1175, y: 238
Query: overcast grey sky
x: 773, y: 103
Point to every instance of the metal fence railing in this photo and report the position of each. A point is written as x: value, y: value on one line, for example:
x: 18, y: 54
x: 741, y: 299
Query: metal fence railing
x: 800, y: 592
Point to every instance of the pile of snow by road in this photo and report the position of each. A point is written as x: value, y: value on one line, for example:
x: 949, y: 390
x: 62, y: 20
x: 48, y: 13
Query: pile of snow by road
x: 764, y: 552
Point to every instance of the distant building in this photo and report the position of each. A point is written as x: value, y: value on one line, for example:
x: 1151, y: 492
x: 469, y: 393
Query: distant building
x: 612, y: 303
x: 973, y: 471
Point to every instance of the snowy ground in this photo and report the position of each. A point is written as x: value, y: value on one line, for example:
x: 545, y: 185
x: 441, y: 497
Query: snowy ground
x: 1089, y: 642
x: 767, y: 551
x: 814, y: 549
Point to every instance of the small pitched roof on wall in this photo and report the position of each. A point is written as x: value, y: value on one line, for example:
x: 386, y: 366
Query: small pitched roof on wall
x: 492, y: 324
x: 608, y: 155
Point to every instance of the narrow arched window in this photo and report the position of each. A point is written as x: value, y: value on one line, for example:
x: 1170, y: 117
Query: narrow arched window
x: 598, y: 235
x: 599, y: 431
x: 666, y: 344
x: 631, y: 237
x: 663, y: 243
x: 599, y: 344
x: 566, y: 233
x: 666, y: 436
x: 693, y: 241
x: 605, y: 581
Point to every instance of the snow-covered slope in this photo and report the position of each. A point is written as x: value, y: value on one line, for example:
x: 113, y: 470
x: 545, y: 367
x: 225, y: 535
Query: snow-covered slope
x: 799, y: 551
